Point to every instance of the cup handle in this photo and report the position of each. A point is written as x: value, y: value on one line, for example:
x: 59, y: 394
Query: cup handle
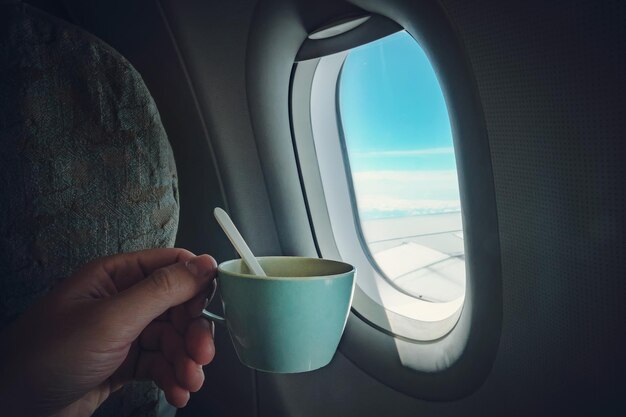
x: 213, y: 317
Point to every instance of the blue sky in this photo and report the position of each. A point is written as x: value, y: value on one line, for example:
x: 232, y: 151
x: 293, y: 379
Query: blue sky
x: 391, y: 101
x: 397, y: 130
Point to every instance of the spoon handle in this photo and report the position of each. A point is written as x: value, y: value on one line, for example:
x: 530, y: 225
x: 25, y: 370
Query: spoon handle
x: 237, y: 240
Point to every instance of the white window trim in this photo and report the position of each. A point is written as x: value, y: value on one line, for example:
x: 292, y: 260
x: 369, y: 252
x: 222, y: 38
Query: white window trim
x: 324, y: 175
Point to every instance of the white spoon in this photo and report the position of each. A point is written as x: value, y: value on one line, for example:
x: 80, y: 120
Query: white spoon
x: 237, y: 240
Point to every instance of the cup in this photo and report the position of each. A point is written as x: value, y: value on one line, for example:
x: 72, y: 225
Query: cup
x: 290, y: 321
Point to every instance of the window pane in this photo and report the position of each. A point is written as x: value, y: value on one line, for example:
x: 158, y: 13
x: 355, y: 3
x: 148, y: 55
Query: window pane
x: 399, y: 143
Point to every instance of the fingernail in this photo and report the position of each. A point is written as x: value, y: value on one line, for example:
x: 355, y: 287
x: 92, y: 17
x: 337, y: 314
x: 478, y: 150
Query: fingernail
x: 199, y: 268
x: 191, y: 267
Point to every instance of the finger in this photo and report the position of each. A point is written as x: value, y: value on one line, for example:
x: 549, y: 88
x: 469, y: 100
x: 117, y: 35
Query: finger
x: 166, y: 287
x: 180, y: 317
x: 182, y: 314
x: 154, y: 366
x: 129, y: 268
x: 195, y: 306
x: 189, y: 374
x: 112, y: 274
x: 160, y: 335
x: 199, y: 341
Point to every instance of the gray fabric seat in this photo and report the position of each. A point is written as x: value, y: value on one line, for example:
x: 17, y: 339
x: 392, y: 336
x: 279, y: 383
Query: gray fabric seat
x: 86, y: 169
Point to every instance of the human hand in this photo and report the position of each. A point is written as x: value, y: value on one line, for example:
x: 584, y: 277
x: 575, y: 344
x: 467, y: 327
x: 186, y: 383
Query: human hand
x: 126, y: 317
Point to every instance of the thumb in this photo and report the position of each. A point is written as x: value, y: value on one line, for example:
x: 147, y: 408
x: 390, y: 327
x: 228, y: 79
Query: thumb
x: 166, y: 287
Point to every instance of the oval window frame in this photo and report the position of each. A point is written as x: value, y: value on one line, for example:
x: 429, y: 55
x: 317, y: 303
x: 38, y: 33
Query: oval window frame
x: 369, y: 348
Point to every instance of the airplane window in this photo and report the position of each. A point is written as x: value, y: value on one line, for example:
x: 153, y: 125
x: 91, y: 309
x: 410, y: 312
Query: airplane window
x: 378, y: 170
x: 399, y: 150
x: 385, y: 130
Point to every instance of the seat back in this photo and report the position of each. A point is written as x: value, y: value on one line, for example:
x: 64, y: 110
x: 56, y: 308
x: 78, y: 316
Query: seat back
x: 86, y: 169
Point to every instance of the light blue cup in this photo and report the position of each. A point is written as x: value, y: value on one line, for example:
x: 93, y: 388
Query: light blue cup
x: 292, y: 320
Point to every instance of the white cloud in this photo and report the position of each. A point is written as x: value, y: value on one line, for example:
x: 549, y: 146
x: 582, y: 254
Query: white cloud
x: 386, y: 203
x: 410, y: 191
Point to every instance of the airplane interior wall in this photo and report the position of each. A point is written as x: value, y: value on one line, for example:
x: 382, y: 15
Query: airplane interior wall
x: 551, y: 80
